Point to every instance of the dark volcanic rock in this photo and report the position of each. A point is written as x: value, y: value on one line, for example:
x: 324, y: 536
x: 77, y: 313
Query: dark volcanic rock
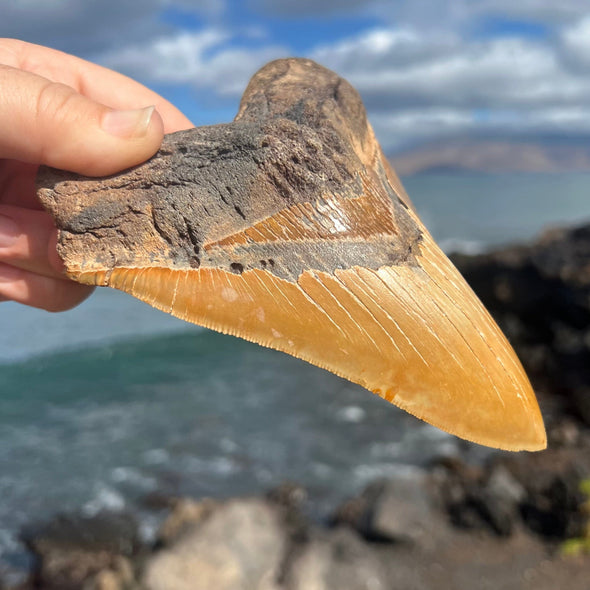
x: 553, y: 504
x: 540, y: 296
x: 486, y: 499
x: 538, y: 492
x: 553, y: 510
x: 71, y: 550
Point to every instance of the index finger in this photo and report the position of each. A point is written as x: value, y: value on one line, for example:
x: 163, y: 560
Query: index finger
x: 96, y: 82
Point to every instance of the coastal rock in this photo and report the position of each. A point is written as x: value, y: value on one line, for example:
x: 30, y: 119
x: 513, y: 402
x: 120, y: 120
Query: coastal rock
x: 553, y: 504
x: 487, y: 499
x: 186, y: 514
x: 237, y: 545
x: 20, y: 585
x: 499, y: 499
x: 119, y: 577
x: 290, y: 499
x: 71, y: 550
x: 399, y: 509
x: 554, y: 510
x: 105, y: 580
x: 289, y: 495
x: 336, y: 560
x: 564, y: 433
x: 538, y: 493
x: 402, y: 510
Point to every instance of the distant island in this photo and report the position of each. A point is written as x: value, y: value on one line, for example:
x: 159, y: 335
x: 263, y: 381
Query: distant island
x: 493, y: 156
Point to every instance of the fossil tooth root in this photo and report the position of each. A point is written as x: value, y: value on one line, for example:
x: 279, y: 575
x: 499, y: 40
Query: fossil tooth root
x: 287, y: 227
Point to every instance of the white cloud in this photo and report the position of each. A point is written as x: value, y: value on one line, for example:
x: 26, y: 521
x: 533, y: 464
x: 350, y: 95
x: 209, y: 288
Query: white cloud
x: 398, y: 128
x: 84, y: 27
x: 573, y: 120
x: 419, y: 84
x: 415, y: 83
x: 202, y: 59
x: 576, y: 41
x: 176, y: 59
x: 444, y: 71
x: 390, y: 47
x: 410, y: 126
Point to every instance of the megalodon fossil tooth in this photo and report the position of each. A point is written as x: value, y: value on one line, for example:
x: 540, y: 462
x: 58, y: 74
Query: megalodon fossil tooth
x: 287, y: 227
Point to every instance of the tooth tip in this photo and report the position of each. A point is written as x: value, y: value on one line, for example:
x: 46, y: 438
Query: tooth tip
x: 516, y: 429
x: 538, y: 441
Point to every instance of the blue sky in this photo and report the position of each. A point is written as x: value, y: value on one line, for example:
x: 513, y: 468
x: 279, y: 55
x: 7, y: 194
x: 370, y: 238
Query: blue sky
x: 427, y: 70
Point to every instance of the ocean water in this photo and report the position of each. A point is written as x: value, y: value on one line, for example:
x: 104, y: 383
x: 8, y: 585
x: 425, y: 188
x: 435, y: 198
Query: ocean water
x: 471, y: 212
x: 112, y: 401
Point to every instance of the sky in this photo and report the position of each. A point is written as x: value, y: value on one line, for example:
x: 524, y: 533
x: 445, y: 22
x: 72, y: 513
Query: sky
x: 427, y: 70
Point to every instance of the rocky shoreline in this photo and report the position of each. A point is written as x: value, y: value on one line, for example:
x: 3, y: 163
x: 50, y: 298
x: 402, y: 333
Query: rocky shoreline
x: 507, y: 524
x: 518, y: 521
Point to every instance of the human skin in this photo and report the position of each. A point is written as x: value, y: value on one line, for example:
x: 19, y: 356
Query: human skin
x: 62, y: 111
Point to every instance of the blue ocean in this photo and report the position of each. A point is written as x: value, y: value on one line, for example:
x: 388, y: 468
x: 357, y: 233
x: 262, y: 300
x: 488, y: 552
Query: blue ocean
x: 108, y: 403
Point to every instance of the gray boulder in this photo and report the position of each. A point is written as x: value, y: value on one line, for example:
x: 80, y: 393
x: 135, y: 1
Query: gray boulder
x: 237, y: 545
x: 400, y: 509
x: 336, y: 560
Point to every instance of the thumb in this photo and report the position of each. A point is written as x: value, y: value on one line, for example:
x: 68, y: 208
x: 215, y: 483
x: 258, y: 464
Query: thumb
x: 44, y: 122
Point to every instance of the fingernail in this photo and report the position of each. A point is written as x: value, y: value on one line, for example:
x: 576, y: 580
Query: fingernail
x: 127, y: 124
x: 9, y: 231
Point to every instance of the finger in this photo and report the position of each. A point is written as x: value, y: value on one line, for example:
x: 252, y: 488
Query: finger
x: 28, y: 240
x: 50, y: 123
x: 38, y: 291
x: 91, y: 80
x: 17, y: 184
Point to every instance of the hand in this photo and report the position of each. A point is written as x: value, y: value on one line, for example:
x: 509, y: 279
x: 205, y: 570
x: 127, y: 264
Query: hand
x: 62, y: 111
